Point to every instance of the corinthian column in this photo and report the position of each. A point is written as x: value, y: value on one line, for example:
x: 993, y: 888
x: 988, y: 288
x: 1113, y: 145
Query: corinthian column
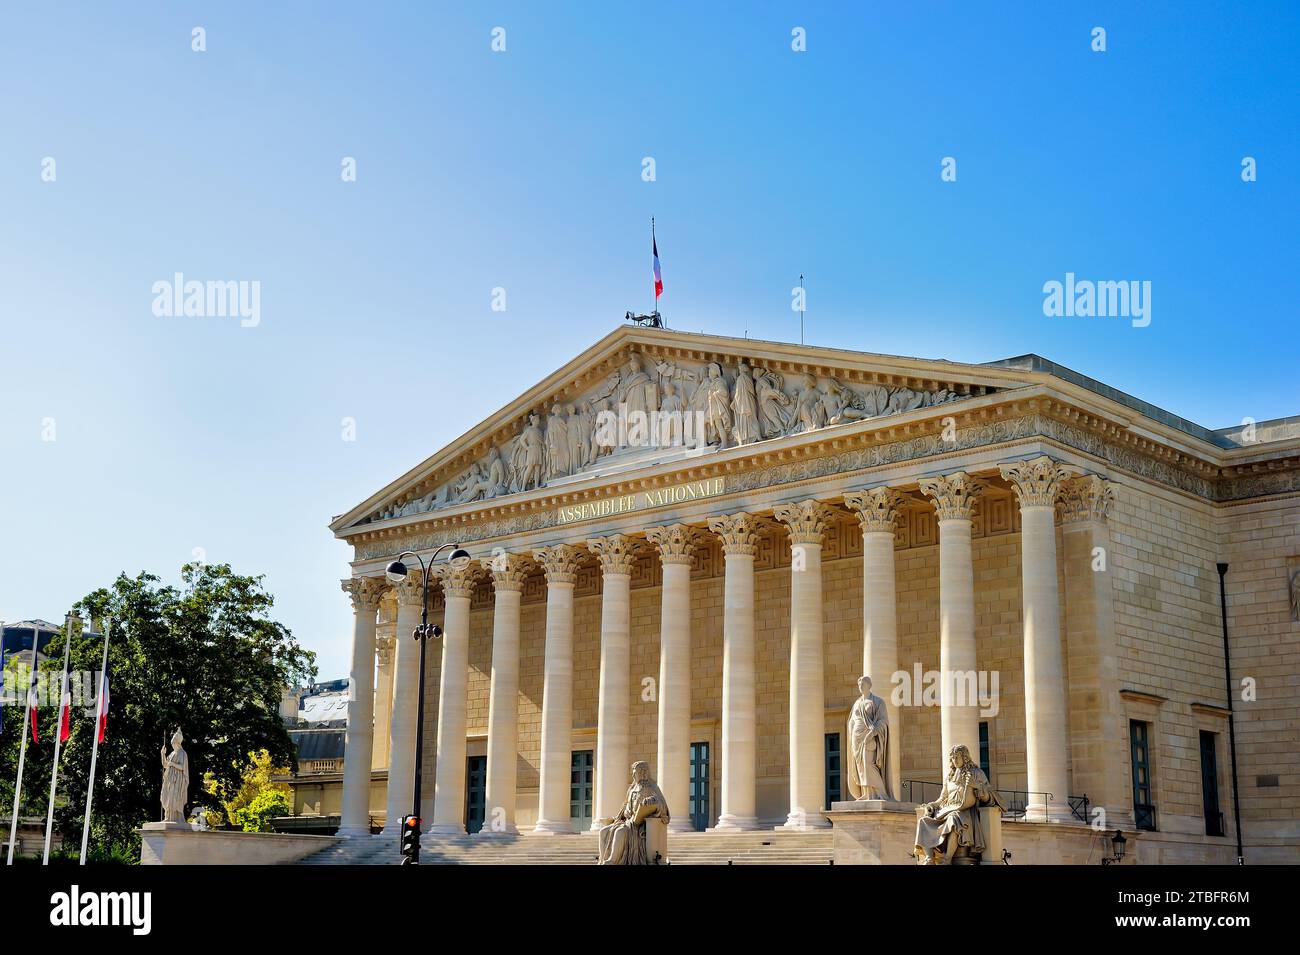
x: 406, y: 686
x: 878, y: 511
x: 385, y: 651
x: 807, y: 521
x: 561, y: 563
x: 359, y: 736
x: 612, y: 766
x: 740, y: 535
x: 449, y: 780
x: 676, y: 543
x: 954, y: 500
x: 508, y: 573
x: 1036, y: 484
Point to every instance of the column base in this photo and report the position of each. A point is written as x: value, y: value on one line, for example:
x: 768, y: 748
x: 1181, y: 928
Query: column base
x: 446, y: 829
x: 352, y: 832
x: 599, y: 824
x: 485, y: 833
x: 548, y: 827
x: 800, y: 821
x: 681, y: 824
x: 732, y: 823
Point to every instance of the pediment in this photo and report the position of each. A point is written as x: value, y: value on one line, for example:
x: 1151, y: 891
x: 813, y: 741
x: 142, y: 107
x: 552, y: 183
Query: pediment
x: 642, y: 397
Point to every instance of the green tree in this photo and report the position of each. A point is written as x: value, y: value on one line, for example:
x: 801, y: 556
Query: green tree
x: 258, y: 780
x: 205, y: 657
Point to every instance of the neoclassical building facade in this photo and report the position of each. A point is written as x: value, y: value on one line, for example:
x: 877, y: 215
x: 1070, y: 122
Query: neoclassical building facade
x: 687, y: 548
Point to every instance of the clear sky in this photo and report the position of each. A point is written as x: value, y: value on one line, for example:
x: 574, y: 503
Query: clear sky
x: 522, y: 170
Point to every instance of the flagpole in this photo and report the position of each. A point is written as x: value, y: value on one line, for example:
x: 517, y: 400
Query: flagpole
x: 94, y: 750
x: 654, y: 307
x: 58, y: 732
x: 803, y: 306
x: 22, y: 750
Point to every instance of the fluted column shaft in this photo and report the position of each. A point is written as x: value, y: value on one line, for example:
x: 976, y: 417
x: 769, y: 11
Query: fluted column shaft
x: 878, y: 511
x: 675, y: 543
x: 1036, y: 483
x: 556, y: 759
x: 508, y: 573
x: 401, y: 724
x: 449, y: 780
x: 955, y: 496
x: 385, y: 651
x: 807, y: 521
x: 613, y: 769
x: 359, y: 735
x: 739, y: 809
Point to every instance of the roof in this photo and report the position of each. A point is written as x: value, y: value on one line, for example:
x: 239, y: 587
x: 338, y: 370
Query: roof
x: 319, y: 743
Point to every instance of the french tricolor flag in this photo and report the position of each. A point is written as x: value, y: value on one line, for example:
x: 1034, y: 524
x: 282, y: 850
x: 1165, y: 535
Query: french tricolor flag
x: 32, y: 703
x: 659, y: 279
x: 101, y: 712
x: 65, y: 716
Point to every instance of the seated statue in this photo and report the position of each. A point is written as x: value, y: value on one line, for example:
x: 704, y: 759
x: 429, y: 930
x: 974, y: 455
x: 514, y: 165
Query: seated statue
x: 949, y: 830
x: 624, y: 840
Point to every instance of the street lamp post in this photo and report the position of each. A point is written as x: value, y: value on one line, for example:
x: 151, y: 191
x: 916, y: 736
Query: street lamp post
x: 397, y: 572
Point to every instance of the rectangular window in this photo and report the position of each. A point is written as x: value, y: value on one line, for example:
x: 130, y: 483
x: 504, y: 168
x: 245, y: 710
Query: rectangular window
x: 475, y: 792
x: 984, y: 750
x: 582, y: 772
x: 833, y: 772
x: 1144, y: 812
x: 700, y: 786
x: 1210, y: 784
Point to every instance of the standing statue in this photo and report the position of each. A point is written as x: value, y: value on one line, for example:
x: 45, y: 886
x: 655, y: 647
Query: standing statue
x: 712, y: 399
x: 176, y: 781
x: 623, y: 841
x: 949, y: 828
x: 869, y: 745
x: 577, y: 442
x: 557, y: 443
x: 808, y: 410
x: 744, y: 406
x: 529, y: 457
x: 671, y: 409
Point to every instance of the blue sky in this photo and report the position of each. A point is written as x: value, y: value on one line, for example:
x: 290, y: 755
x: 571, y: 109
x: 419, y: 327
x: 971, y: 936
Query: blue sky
x: 522, y: 170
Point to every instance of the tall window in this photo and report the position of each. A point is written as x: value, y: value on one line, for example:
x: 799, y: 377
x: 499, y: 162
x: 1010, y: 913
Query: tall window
x: 700, y: 786
x: 984, y: 750
x: 1144, y: 812
x: 833, y: 771
x: 1210, y: 784
x: 475, y: 792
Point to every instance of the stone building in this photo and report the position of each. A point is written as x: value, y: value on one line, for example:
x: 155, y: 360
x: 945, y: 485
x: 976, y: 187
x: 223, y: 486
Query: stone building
x: 687, y: 548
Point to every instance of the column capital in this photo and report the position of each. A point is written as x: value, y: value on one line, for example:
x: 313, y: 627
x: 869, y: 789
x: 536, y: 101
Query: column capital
x: 458, y: 581
x: 617, y: 553
x: 676, y: 542
x: 561, y: 563
x: 366, y: 592
x: 509, y: 571
x: 384, y: 650
x: 410, y: 590
x: 954, y: 494
x: 877, y: 508
x: 1085, y: 498
x: 1036, y: 481
x: 807, y: 520
x: 740, y: 532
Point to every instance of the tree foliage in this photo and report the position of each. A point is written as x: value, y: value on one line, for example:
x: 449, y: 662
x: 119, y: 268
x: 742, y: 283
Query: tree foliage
x: 205, y: 657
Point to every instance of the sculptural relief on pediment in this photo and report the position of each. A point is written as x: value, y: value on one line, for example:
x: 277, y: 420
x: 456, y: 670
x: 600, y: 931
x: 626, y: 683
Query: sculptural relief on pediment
x: 664, y: 406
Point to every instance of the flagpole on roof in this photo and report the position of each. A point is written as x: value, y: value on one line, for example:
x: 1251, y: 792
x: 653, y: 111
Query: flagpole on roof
x: 68, y: 624
x: 100, y: 713
x: 22, y: 749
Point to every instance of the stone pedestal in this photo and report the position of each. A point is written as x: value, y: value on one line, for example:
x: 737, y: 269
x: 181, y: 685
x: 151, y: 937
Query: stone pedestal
x: 873, y: 832
x: 179, y: 843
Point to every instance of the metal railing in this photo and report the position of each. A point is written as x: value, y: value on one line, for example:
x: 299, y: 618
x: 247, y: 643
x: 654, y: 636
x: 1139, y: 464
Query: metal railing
x: 1016, y: 801
x: 1214, y: 824
x: 1144, y: 816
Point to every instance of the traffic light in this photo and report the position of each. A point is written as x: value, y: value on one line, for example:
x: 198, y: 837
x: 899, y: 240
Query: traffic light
x: 410, y: 840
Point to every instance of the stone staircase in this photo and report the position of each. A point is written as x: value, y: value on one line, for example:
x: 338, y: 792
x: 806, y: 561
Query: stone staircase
x: 685, y: 848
